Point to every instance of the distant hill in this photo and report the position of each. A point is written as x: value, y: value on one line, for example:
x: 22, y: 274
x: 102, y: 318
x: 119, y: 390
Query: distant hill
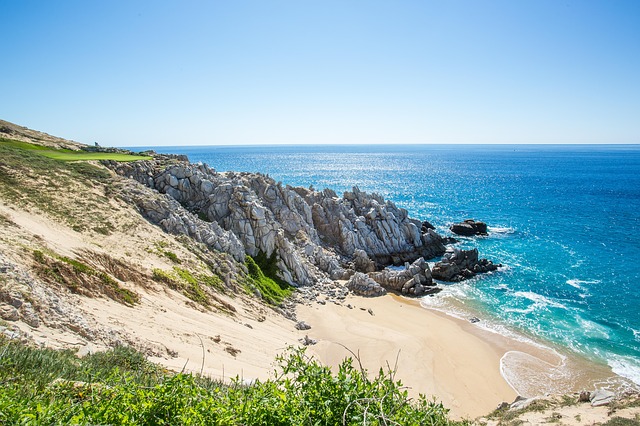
x: 13, y: 131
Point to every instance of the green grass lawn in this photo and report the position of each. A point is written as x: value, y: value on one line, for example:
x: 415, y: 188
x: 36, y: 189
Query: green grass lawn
x: 86, y: 156
x: 70, y: 155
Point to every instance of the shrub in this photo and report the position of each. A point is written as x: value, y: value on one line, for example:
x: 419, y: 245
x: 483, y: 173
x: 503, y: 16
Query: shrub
x: 43, y: 386
x: 272, y: 289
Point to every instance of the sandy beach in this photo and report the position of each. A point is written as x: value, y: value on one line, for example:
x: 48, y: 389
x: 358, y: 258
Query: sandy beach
x: 436, y: 355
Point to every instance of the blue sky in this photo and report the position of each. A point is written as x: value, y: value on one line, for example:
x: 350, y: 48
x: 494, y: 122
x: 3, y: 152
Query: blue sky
x: 127, y: 73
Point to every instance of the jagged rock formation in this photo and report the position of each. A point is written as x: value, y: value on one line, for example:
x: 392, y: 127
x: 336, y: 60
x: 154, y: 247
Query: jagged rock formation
x: 469, y: 227
x: 362, y: 263
x: 312, y: 232
x: 457, y: 265
x: 415, y: 279
x: 363, y: 285
x: 169, y: 214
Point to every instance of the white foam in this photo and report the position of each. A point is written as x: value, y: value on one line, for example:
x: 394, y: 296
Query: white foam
x: 593, y: 329
x: 624, y: 366
x: 539, y: 300
x: 578, y: 263
x: 441, y: 304
x: 531, y: 376
x: 500, y: 230
x: 576, y: 283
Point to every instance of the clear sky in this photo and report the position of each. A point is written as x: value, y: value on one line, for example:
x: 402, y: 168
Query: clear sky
x: 134, y: 72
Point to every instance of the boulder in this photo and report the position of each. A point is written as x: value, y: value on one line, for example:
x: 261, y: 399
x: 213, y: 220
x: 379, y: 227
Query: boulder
x: 469, y: 228
x: 301, y: 325
x: 413, y: 280
x: 9, y: 313
x: 521, y: 403
x: 362, y: 285
x: 602, y: 397
x: 458, y: 265
x: 29, y: 315
x: 307, y: 341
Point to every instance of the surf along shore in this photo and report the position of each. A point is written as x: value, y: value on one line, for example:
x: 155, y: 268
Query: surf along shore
x: 467, y: 367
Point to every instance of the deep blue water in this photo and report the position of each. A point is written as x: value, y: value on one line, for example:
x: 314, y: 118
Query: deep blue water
x: 564, y: 220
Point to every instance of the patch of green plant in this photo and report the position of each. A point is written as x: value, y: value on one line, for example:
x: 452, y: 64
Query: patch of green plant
x: 192, y: 288
x: 203, y: 216
x: 272, y: 289
x: 212, y: 281
x: 172, y: 256
x: 120, y: 387
x: 621, y: 421
x: 184, y: 281
x: 38, y: 256
x: 104, y: 229
x: 65, y: 155
x: 509, y: 417
x: 81, y: 278
x: 568, y: 401
x: 164, y: 277
x: 78, y: 266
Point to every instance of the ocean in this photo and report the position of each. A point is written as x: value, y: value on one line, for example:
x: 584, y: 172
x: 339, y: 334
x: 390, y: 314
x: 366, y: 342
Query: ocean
x: 564, y: 220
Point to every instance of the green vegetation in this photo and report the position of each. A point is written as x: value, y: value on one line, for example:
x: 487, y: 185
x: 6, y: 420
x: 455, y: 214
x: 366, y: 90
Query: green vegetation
x: 621, y: 421
x: 71, y: 155
x: 182, y: 280
x: 263, y: 278
x: 192, y: 288
x: 509, y: 417
x: 80, y: 278
x: 172, y: 256
x: 43, y: 386
x: 68, y: 191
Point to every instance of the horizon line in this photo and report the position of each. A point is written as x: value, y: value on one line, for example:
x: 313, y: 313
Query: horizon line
x: 257, y: 145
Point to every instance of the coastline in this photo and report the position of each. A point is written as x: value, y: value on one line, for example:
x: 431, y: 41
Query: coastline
x: 467, y: 367
x: 437, y: 355
x: 534, y: 367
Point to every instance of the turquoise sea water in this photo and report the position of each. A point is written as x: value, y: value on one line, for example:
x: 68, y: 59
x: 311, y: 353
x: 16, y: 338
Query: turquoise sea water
x: 564, y: 220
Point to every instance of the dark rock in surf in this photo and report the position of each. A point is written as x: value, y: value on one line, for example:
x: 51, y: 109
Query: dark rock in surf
x: 458, y: 265
x: 426, y: 226
x: 469, y: 228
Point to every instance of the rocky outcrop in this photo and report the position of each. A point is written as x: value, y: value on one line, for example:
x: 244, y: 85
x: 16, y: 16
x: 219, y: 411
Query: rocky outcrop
x: 362, y: 285
x: 457, y: 265
x: 362, y: 263
x: 166, y: 212
x: 469, y: 228
x: 414, y: 280
x: 313, y: 233
x: 367, y: 222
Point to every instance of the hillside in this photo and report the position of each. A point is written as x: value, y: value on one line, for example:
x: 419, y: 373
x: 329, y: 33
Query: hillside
x: 207, y: 273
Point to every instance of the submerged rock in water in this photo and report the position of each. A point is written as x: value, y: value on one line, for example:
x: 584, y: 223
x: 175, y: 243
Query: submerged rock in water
x: 469, y: 227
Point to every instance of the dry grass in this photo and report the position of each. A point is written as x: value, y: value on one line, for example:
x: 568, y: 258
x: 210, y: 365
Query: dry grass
x: 80, y: 278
